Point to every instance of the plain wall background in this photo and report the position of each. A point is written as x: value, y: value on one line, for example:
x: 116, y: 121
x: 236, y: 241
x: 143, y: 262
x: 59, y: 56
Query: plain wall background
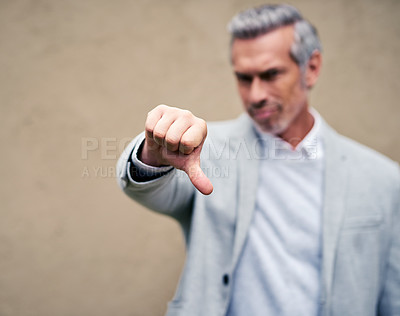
x: 73, y: 73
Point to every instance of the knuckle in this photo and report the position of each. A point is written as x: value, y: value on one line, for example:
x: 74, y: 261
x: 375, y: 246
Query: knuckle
x: 202, y: 123
x: 171, y: 139
x: 186, y: 141
x: 148, y: 124
x: 187, y: 115
x: 158, y: 134
x: 161, y: 107
x: 202, y: 127
x: 158, y: 110
x: 185, y: 149
x: 148, y: 128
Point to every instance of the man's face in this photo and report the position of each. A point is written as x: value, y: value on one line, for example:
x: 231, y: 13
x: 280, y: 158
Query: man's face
x: 270, y: 83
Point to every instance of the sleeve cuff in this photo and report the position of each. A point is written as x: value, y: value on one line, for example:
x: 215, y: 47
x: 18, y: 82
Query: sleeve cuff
x: 141, y: 172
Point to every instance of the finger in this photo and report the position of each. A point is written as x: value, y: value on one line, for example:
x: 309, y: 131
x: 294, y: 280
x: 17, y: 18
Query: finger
x: 193, y: 137
x: 152, y: 119
x: 161, y: 128
x: 175, y: 132
x: 199, y: 179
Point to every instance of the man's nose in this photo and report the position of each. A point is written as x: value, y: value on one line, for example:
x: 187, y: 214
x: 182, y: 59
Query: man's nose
x: 258, y: 91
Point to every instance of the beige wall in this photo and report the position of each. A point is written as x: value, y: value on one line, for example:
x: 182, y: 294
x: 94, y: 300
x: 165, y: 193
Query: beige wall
x: 74, y: 72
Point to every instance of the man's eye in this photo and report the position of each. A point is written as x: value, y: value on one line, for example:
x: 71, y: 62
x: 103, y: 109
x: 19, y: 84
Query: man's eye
x: 244, y: 78
x: 270, y: 75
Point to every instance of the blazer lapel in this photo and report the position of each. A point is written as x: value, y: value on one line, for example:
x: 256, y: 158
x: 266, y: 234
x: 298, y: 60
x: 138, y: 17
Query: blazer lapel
x: 247, y: 164
x: 334, y: 204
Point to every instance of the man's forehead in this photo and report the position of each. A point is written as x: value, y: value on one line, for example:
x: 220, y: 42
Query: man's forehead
x: 269, y: 47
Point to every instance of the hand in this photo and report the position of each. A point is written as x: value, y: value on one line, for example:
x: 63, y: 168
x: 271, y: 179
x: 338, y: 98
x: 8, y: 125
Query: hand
x: 175, y: 137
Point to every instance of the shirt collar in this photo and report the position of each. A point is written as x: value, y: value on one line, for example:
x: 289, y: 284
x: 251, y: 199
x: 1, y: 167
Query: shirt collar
x: 310, y: 147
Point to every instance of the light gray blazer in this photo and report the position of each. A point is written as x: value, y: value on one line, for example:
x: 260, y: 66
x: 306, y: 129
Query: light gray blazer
x: 361, y: 222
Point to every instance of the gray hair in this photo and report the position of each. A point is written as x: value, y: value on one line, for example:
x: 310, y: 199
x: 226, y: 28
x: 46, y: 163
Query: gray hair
x: 260, y: 20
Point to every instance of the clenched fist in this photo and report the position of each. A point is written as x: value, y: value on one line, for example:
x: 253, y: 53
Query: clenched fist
x: 175, y: 137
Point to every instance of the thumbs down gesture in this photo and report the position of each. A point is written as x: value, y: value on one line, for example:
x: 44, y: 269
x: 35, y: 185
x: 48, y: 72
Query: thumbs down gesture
x: 175, y: 137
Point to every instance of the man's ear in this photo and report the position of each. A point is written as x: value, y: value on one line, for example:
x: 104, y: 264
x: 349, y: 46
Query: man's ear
x: 313, y: 69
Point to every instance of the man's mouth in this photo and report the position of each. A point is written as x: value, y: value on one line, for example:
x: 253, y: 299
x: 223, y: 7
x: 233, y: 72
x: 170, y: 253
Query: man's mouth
x: 263, y: 112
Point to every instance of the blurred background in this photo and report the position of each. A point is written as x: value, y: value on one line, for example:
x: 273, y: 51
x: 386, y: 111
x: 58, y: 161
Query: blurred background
x: 77, y: 80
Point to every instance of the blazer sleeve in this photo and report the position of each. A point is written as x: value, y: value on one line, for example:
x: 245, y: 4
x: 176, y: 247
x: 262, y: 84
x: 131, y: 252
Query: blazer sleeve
x: 390, y: 299
x: 170, y: 194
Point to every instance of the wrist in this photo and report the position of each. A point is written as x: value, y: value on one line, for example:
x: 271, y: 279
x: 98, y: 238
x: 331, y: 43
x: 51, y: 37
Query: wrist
x: 148, y: 156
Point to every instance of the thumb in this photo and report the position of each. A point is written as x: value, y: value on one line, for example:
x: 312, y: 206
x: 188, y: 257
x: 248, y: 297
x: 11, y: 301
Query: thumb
x: 199, y: 179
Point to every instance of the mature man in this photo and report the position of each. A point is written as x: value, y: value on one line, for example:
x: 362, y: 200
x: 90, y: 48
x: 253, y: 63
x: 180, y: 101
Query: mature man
x: 304, y: 222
